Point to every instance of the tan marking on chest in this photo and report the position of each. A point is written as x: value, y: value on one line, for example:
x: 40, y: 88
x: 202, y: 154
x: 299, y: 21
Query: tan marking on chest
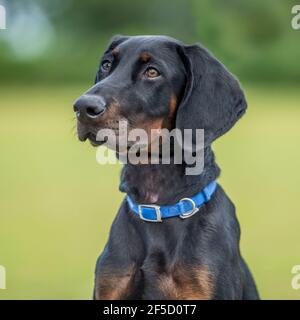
x: 114, y: 286
x: 187, y: 284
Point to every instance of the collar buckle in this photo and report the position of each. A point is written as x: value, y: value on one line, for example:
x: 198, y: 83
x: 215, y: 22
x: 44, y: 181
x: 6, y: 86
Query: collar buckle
x: 156, y: 208
x: 191, y: 212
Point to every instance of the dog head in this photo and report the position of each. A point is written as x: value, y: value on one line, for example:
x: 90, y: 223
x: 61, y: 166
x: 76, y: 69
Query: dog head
x: 156, y: 82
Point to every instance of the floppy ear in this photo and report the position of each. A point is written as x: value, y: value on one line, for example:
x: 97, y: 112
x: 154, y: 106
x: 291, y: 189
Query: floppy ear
x: 213, y: 99
x: 114, y: 42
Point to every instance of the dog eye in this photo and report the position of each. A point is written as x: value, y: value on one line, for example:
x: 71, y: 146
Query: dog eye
x: 152, y: 73
x: 105, y: 66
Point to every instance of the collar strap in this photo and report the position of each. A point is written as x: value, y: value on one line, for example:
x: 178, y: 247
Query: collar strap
x: 185, y: 208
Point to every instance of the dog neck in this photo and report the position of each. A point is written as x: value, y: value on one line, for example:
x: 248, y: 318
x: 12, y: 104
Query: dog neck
x: 166, y: 184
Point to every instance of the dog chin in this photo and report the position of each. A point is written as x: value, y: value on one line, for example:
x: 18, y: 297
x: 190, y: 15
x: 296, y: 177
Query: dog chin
x: 83, y: 136
x: 94, y: 142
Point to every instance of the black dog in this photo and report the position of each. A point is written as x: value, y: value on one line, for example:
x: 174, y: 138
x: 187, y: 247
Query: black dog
x: 156, y: 82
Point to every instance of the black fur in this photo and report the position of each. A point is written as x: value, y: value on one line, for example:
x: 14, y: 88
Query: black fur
x: 145, y: 253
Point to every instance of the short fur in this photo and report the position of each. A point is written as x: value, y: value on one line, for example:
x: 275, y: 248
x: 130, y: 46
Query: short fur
x: 195, y: 258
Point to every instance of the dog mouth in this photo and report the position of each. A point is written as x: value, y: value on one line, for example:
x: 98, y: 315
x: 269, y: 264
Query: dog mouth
x: 113, y: 137
x: 85, y: 133
x: 93, y: 140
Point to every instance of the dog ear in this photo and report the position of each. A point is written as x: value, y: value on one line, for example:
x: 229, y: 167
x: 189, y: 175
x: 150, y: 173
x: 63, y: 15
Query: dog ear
x: 114, y: 42
x: 213, y: 99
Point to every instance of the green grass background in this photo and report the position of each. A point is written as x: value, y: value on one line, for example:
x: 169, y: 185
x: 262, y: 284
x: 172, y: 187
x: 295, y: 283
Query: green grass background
x: 57, y: 203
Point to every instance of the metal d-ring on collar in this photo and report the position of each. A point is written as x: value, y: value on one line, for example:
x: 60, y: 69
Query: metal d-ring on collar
x: 189, y: 213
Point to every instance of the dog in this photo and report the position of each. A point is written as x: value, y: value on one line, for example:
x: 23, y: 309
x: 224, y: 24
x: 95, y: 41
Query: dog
x: 154, y: 83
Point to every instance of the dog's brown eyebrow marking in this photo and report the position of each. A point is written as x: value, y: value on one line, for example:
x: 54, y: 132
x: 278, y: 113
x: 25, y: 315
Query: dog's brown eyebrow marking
x: 116, y: 51
x: 145, y: 56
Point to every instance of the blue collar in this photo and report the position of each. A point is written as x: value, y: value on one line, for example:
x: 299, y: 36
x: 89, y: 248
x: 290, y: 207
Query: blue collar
x: 185, y: 208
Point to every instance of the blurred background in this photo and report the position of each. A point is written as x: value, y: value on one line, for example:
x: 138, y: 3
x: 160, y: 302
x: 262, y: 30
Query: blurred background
x: 57, y: 203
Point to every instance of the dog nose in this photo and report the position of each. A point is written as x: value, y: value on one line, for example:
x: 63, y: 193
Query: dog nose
x: 89, y: 106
